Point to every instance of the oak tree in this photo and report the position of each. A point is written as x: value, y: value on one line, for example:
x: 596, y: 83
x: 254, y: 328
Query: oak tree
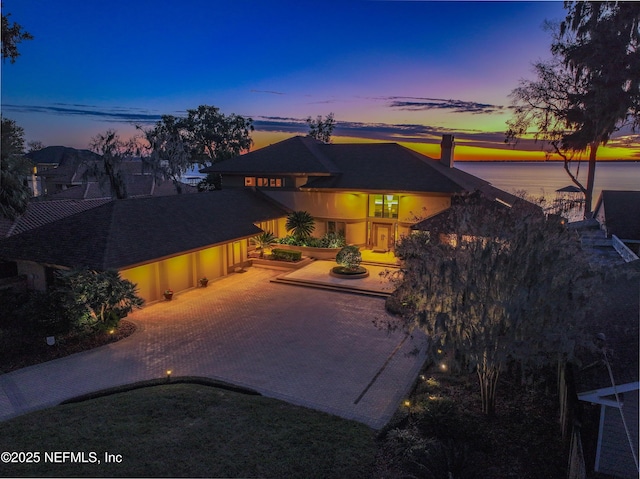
x: 589, y: 90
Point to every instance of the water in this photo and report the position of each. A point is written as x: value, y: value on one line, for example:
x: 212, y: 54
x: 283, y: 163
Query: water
x: 542, y: 179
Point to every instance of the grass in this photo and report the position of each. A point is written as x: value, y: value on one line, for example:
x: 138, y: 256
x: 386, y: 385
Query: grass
x: 191, y: 430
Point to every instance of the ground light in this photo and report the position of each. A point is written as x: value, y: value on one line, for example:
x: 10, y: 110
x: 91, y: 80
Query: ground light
x: 168, y: 375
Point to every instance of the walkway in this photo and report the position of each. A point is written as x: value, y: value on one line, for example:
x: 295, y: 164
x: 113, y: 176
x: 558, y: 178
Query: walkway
x: 314, y: 348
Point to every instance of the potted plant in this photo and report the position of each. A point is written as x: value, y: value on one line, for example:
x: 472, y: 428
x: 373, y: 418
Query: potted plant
x: 168, y: 294
x: 204, y: 281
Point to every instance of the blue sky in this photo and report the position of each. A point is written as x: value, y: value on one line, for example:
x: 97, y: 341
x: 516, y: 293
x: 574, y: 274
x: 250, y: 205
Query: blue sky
x: 388, y: 70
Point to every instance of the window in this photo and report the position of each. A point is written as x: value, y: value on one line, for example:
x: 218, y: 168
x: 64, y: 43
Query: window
x: 249, y: 181
x: 336, y: 227
x: 270, y: 182
x: 383, y: 206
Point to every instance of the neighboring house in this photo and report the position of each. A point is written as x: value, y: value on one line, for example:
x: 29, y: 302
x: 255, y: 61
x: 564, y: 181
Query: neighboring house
x: 156, y: 242
x: 372, y: 193
x: 618, y: 213
x: 616, y: 325
x: 62, y: 172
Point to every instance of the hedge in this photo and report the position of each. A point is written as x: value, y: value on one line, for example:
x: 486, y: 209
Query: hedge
x: 285, y: 255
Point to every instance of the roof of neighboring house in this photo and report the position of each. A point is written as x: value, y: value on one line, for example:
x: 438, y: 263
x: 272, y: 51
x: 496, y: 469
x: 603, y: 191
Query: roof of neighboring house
x: 39, y: 213
x: 68, y: 160
x: 123, y: 233
x: 137, y: 185
x: 622, y: 213
x: 618, y: 318
x: 361, y: 166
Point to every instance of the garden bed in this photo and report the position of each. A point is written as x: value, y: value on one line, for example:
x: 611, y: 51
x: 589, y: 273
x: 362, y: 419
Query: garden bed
x: 27, y: 352
x: 266, y: 262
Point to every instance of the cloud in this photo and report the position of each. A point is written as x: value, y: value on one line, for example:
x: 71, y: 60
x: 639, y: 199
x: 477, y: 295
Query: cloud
x: 113, y: 114
x: 269, y: 92
x: 407, y: 133
x: 455, y: 106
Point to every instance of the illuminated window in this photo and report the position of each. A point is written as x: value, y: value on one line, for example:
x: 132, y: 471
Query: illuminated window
x: 383, y: 206
x: 336, y: 227
x: 270, y: 182
x: 249, y: 181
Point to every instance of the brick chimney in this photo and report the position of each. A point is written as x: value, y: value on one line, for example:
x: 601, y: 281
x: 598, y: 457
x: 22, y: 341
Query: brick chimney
x: 446, y: 150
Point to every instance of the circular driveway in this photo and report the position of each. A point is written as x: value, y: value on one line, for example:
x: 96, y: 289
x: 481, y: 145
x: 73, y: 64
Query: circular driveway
x: 314, y: 348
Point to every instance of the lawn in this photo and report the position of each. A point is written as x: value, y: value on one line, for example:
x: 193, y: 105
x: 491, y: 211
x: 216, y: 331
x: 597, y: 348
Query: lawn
x: 189, y: 430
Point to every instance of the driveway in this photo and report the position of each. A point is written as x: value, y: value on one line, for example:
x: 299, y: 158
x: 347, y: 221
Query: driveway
x: 314, y: 348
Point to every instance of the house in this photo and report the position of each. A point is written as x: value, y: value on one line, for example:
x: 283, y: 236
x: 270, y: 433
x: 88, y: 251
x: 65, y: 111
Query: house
x: 373, y: 193
x: 610, y: 379
x: 156, y: 242
x: 64, y: 173
x: 618, y: 213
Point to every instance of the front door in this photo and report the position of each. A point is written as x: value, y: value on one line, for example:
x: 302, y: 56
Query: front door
x: 381, y: 237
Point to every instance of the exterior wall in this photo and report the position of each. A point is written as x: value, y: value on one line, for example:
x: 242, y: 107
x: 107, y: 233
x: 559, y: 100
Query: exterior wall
x: 324, y: 205
x: 614, y: 454
x: 416, y: 206
x: 36, y: 277
x: 178, y: 273
x: 353, y: 210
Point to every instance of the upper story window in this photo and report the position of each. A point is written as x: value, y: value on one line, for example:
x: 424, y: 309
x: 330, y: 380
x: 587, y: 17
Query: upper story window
x: 264, y: 182
x: 383, y: 206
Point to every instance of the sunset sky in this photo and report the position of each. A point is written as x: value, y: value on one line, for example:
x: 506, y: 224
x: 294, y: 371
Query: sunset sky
x: 389, y: 70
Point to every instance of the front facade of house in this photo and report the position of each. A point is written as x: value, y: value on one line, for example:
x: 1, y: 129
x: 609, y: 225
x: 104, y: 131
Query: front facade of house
x: 372, y: 193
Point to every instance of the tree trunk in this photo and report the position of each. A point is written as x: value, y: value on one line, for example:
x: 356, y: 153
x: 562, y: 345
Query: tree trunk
x: 591, y: 175
x: 488, y: 377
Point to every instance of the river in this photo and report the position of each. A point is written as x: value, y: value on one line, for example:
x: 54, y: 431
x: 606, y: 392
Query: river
x: 542, y: 179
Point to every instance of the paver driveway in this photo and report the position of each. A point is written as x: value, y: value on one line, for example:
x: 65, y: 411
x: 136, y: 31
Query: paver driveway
x: 309, y: 347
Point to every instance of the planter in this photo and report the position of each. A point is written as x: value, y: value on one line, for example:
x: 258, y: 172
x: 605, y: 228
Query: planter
x: 317, y: 253
x: 204, y: 282
x: 168, y: 295
x: 346, y: 273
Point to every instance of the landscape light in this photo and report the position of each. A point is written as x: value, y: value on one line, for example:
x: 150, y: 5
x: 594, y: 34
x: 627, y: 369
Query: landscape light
x: 168, y: 374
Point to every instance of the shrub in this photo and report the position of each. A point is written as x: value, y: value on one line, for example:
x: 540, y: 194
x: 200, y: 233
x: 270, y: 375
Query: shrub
x: 301, y: 224
x: 285, y: 255
x: 332, y: 240
x: 349, y: 257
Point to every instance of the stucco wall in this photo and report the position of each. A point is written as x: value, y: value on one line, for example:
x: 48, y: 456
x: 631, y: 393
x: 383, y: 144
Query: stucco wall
x: 324, y: 205
x: 178, y: 273
x: 412, y: 206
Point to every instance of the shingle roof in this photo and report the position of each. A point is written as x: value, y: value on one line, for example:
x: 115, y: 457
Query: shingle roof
x: 39, y: 213
x: 127, y: 232
x: 618, y: 318
x: 361, y: 166
x: 622, y: 213
x: 137, y: 185
x: 298, y: 155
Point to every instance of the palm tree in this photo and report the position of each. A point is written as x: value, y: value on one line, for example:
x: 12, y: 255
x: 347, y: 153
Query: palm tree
x: 301, y: 224
x: 264, y: 240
